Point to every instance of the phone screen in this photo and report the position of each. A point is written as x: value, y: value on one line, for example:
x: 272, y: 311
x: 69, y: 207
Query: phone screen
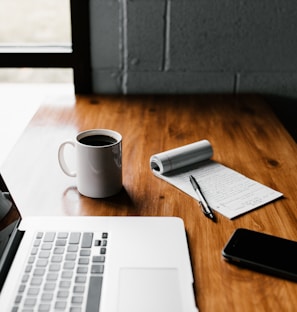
x: 263, y: 252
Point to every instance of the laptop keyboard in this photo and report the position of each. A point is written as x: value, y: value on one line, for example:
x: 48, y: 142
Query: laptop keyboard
x: 64, y: 272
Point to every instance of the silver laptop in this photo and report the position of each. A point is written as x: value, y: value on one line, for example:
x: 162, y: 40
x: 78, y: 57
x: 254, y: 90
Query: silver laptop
x: 106, y: 264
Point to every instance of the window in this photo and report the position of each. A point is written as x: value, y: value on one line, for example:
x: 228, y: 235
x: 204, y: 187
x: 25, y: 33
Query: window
x: 39, y: 41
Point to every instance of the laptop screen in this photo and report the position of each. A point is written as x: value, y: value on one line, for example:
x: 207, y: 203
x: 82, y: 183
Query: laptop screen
x: 9, y: 220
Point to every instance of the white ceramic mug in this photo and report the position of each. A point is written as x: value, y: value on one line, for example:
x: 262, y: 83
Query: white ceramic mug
x: 98, y: 162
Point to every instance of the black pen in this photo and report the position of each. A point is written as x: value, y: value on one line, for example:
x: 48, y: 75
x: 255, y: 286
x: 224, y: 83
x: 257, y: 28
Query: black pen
x: 201, y: 200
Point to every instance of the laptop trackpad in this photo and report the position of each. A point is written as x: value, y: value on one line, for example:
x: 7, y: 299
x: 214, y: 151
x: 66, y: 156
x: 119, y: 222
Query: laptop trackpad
x: 149, y: 290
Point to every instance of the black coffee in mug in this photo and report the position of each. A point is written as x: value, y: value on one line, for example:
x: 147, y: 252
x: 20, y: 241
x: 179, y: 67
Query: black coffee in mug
x: 97, y: 140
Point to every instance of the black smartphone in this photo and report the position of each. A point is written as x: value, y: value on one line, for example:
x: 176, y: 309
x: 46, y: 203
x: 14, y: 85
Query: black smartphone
x: 262, y: 252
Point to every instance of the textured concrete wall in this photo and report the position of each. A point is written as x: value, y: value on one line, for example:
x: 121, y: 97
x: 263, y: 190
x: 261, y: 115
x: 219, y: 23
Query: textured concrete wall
x: 194, y: 46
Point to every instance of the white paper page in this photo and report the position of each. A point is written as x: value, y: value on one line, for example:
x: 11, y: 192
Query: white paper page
x: 226, y: 191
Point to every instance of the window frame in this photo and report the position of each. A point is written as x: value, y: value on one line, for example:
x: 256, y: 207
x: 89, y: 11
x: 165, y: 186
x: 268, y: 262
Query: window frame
x: 76, y: 55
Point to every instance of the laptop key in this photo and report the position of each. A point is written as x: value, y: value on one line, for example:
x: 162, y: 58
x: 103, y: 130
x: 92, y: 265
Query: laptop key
x: 47, y: 296
x: 74, y: 238
x: 46, y: 246
x: 54, y: 267
x: 78, y: 289
x: 63, y: 235
x: 49, y: 237
x: 36, y: 281
x: 75, y: 309
x: 42, y: 263
x: 28, y: 269
x: 33, y: 291
x: 98, y: 259
x: 60, y: 305
x: 72, y: 248
x: 97, y: 269
x: 81, y: 279
x: 87, y: 240
x: 67, y: 274
x: 34, y: 251
x: 77, y: 299
x: 59, y: 250
x: 56, y: 259
x: 63, y: 294
x: 44, y: 307
x: 69, y: 265
x: 94, y: 293
x: 103, y: 251
x: 52, y: 277
x: 61, y: 242
x: 37, y: 243
x: 39, y: 235
x: 22, y: 288
x: 31, y: 259
x: 65, y: 284
x: 97, y: 242
x: 39, y: 272
x: 49, y: 286
x: 83, y: 261
x: 30, y: 302
x: 70, y: 257
x: 44, y: 254
x: 85, y: 252
x: 82, y: 270
x: 18, y: 299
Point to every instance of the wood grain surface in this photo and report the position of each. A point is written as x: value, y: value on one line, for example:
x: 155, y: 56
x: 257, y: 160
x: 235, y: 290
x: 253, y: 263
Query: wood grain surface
x: 246, y: 136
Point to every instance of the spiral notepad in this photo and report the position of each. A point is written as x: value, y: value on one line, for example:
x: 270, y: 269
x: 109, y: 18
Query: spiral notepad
x: 227, y: 191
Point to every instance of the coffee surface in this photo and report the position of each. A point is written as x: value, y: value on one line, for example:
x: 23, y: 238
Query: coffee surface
x: 97, y: 140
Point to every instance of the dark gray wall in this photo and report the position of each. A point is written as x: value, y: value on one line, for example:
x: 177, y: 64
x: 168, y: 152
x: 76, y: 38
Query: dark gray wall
x: 194, y: 46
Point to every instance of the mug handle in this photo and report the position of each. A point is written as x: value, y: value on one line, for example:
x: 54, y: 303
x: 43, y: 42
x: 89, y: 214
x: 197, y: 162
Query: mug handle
x: 62, y: 161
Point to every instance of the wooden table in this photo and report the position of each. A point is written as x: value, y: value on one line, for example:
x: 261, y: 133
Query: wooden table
x: 246, y: 136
